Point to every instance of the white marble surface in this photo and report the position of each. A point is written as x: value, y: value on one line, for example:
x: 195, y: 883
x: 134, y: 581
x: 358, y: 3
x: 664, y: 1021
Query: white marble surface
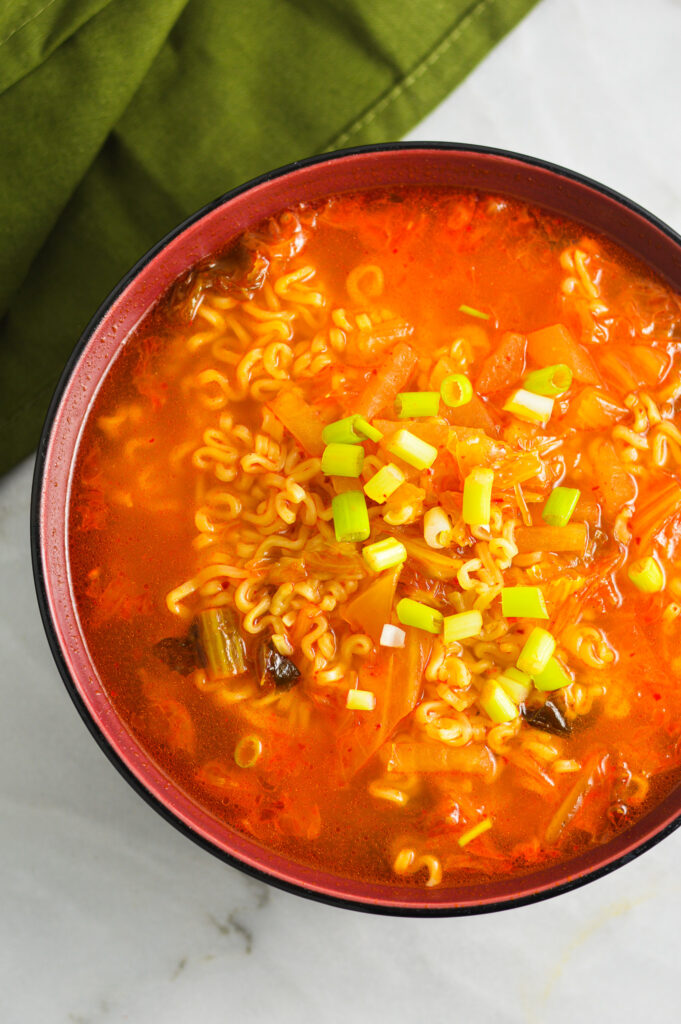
x: 109, y: 915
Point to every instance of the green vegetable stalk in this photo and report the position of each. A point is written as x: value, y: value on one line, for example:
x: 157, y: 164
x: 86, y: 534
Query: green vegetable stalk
x: 221, y: 647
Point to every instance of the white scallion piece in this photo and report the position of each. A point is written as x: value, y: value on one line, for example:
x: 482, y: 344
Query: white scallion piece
x: 392, y: 636
x: 530, y: 407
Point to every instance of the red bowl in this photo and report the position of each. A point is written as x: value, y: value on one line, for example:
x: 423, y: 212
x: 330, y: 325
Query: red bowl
x: 556, y: 189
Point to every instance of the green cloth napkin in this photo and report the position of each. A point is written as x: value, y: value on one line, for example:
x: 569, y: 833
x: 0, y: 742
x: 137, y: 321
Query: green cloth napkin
x: 118, y: 118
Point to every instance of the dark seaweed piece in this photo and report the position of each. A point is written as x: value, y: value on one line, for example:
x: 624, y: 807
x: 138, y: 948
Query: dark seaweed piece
x: 178, y: 653
x: 276, y: 668
x: 548, y: 718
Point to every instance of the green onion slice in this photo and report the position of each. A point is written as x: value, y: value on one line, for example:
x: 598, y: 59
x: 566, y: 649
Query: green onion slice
x: 496, y: 702
x: 528, y: 406
x: 341, y: 432
x: 392, y: 636
x: 523, y: 602
x: 517, y: 684
x: 248, y: 751
x: 456, y: 390
x: 360, y: 700
x: 535, y: 655
x: 384, y: 554
x: 473, y: 312
x: 647, y: 575
x: 384, y: 482
x: 350, y: 516
x: 412, y: 449
x: 367, y: 429
x: 351, y: 430
x: 551, y: 381
x: 422, y: 616
x: 461, y: 626
x: 342, y: 460
x: 477, y: 496
x: 560, y: 505
x: 412, y: 404
x: 552, y: 677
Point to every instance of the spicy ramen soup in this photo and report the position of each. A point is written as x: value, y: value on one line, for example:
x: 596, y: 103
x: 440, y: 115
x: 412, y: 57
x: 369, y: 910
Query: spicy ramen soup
x: 375, y: 542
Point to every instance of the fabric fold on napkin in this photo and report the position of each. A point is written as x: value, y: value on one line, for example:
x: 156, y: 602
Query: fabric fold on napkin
x: 119, y: 118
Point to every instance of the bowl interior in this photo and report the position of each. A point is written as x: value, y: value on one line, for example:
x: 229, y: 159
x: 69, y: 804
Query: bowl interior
x: 438, y: 164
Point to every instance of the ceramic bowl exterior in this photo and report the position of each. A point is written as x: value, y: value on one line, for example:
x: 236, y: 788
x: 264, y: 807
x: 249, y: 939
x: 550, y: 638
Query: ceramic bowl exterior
x: 434, y: 164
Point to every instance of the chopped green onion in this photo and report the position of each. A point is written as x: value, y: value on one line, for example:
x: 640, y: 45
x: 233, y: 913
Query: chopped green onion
x: 536, y: 653
x: 248, y: 751
x: 342, y: 460
x: 412, y: 449
x: 552, y: 677
x: 415, y: 613
x: 477, y: 496
x: 437, y: 528
x: 392, y: 636
x: 456, y: 390
x: 360, y: 700
x: 409, y: 404
x: 530, y: 407
x: 366, y: 428
x: 523, y: 602
x: 350, y: 516
x: 351, y: 430
x: 461, y: 626
x: 384, y: 554
x: 551, y: 381
x: 495, y: 702
x: 477, y: 830
x: 516, y: 683
x: 473, y: 312
x: 647, y: 574
x: 341, y: 432
x: 560, y: 505
x: 384, y: 483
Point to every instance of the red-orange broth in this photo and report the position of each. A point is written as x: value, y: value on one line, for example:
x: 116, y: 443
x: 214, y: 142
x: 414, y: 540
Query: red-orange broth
x: 198, y: 492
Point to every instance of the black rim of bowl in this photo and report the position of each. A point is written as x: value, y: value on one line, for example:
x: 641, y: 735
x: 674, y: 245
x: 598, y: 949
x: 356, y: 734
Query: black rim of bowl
x: 41, y: 589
